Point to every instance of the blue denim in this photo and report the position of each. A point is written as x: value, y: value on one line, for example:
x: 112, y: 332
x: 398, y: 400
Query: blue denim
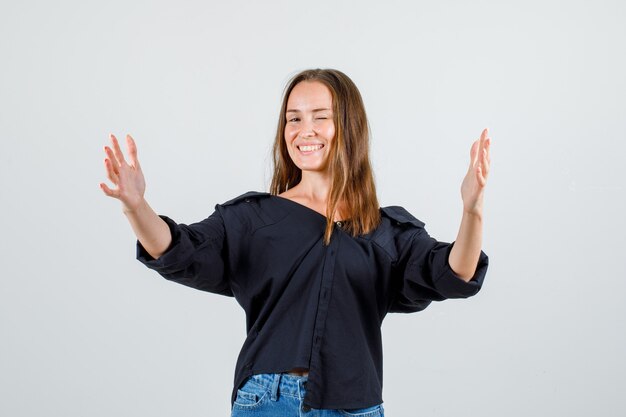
x: 281, y: 395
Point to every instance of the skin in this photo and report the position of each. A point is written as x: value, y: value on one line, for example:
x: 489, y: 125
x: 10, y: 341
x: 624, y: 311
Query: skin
x: 150, y: 229
x: 464, y: 255
x: 306, y: 124
x: 310, y: 120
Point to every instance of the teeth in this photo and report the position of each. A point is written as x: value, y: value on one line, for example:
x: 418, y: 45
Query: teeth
x: 309, y: 148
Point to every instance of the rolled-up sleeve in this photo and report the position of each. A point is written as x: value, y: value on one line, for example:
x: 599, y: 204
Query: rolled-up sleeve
x: 426, y: 275
x: 195, y: 256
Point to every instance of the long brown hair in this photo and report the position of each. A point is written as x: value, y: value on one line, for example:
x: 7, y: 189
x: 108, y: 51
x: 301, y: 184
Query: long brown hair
x: 349, y: 163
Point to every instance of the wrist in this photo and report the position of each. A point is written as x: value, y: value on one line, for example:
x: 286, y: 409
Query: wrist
x: 136, y: 207
x: 474, y: 214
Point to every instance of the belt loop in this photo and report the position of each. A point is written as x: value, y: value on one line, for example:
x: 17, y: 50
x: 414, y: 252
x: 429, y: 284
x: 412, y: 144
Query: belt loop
x: 275, y: 385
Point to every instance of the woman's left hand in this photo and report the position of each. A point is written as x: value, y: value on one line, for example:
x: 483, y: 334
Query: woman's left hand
x: 473, y: 185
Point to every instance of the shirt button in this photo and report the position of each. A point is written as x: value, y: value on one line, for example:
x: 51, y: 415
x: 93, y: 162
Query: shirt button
x: 247, y: 200
x: 339, y: 224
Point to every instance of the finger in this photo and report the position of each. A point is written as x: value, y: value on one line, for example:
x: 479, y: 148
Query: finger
x: 112, y: 159
x: 481, y: 142
x: 473, y: 154
x: 485, y: 164
x: 479, y: 176
x: 111, y: 174
x: 108, y: 191
x: 132, y: 151
x: 488, y: 150
x: 117, y: 150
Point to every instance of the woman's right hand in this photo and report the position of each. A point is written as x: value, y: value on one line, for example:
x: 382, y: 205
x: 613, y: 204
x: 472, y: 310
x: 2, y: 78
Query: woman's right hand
x: 127, y: 177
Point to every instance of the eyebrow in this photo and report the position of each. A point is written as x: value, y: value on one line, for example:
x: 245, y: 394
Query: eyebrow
x: 298, y: 111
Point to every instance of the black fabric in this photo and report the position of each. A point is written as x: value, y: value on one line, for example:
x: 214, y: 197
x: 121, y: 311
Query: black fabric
x: 308, y: 305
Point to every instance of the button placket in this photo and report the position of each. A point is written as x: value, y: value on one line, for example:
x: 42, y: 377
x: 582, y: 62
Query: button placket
x: 314, y: 387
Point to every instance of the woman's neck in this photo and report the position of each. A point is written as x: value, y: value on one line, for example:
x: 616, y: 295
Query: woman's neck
x: 313, y: 191
x: 314, y: 186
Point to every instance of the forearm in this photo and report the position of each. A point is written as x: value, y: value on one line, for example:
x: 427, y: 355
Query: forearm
x: 151, y: 230
x: 465, y: 253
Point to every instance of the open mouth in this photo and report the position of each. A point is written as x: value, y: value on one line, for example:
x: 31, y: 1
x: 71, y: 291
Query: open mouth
x: 307, y: 149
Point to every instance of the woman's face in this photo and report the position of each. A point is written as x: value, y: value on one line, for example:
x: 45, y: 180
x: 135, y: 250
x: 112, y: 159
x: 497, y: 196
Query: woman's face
x: 310, y: 129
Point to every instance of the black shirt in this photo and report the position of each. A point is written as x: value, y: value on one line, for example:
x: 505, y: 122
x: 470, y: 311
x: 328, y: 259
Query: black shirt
x: 308, y: 305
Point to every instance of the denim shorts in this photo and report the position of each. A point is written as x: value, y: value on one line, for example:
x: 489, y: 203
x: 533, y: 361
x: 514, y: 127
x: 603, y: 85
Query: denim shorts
x: 281, y: 395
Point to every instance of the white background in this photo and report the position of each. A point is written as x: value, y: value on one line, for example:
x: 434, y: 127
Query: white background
x: 86, y: 330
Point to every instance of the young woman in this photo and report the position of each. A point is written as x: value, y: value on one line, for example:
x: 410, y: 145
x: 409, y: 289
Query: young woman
x: 315, y: 263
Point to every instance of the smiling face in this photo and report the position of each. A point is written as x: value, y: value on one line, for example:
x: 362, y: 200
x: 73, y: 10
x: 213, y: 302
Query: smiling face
x: 309, y: 128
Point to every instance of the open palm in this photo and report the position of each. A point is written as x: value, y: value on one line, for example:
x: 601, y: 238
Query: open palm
x: 128, y: 177
x: 472, y: 188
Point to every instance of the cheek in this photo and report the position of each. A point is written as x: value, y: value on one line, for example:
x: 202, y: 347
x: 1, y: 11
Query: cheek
x: 289, y: 133
x: 330, y: 132
x: 288, y: 138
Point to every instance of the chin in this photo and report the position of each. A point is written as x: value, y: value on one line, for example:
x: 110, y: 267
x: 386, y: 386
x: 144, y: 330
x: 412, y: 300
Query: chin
x: 308, y: 167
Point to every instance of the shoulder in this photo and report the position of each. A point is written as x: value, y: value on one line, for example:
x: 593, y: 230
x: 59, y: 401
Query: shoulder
x: 253, y: 208
x: 396, y: 229
x: 246, y: 197
x: 399, y: 216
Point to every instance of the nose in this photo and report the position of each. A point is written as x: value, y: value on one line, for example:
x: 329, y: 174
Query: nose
x: 307, y: 130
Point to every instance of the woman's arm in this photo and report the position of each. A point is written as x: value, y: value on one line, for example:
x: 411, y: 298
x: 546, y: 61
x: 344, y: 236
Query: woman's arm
x: 153, y: 233
x: 464, y: 255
